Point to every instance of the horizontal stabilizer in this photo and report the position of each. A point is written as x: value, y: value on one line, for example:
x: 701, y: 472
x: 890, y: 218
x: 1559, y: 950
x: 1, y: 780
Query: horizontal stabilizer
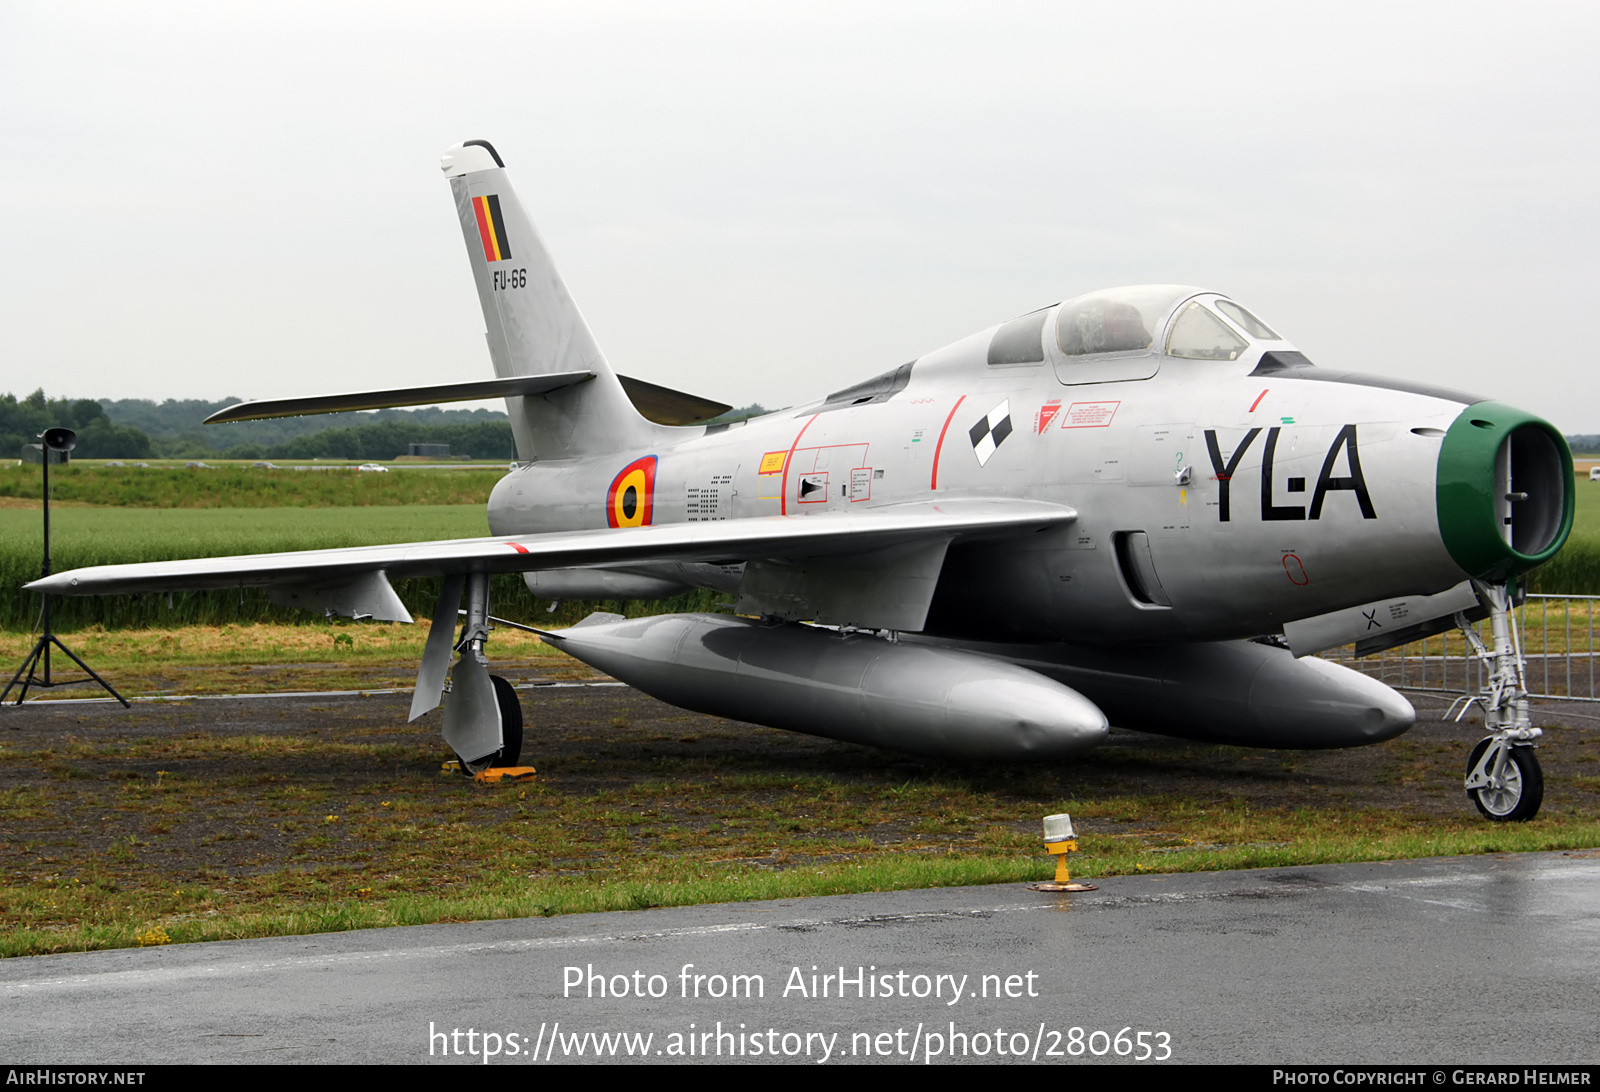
x: 665, y: 406
x: 402, y: 396
x: 787, y: 539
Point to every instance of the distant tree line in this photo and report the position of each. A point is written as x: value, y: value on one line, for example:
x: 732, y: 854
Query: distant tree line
x: 139, y: 428
x: 387, y: 440
x: 1584, y: 445
x: 21, y: 421
x: 175, y: 429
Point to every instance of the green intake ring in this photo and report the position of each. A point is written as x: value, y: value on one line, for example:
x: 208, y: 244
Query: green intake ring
x: 1469, y: 523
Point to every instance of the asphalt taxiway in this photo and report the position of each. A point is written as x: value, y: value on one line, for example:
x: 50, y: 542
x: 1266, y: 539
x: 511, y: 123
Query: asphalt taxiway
x: 1491, y: 959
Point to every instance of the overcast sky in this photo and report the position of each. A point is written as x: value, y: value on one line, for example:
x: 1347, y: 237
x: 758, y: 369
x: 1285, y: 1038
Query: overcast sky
x: 763, y: 202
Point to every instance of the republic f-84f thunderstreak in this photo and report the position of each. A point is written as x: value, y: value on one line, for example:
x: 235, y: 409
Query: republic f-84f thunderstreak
x: 1140, y: 507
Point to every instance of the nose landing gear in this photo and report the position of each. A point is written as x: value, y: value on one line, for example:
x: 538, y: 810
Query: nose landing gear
x: 1504, y: 780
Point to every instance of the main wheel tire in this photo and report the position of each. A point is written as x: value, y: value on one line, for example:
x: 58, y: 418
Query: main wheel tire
x: 510, y: 723
x: 1523, y: 794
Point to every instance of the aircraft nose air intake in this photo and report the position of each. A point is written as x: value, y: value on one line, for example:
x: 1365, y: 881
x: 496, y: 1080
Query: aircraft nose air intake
x: 1504, y: 491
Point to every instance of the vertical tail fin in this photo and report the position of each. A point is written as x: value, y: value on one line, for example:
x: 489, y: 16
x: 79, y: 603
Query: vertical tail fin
x: 533, y: 326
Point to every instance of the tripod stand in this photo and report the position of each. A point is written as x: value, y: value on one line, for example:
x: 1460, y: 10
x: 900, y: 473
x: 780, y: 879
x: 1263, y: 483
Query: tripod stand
x: 55, y: 439
x: 41, y: 655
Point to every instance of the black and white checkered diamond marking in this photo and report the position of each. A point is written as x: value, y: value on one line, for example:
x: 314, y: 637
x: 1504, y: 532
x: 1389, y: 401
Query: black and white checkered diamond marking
x: 991, y: 431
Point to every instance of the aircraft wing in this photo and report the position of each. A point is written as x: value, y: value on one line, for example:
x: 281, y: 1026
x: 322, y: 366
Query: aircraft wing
x: 847, y: 536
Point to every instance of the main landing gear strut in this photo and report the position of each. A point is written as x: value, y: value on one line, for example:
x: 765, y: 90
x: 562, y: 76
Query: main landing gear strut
x: 1504, y: 779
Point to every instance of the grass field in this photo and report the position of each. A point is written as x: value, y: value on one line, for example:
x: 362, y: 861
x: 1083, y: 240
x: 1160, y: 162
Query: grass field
x: 1586, y: 519
x: 151, y: 534
x: 198, y: 820
x: 247, y: 487
x: 1576, y: 569
x: 265, y: 657
x: 109, y: 536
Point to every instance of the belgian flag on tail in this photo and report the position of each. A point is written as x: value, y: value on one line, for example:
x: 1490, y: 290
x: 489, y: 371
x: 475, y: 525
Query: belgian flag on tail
x: 491, y: 228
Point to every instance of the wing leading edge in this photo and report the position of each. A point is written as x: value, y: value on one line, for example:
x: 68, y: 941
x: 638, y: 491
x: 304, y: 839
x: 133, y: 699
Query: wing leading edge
x: 778, y: 538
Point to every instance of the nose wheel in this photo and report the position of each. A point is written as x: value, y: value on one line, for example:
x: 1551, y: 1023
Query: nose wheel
x: 1505, y: 781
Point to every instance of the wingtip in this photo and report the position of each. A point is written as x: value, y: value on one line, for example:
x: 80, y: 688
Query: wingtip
x: 54, y: 584
x: 235, y: 412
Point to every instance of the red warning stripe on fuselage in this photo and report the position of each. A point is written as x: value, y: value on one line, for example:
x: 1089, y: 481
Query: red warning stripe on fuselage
x: 788, y: 460
x: 939, y: 447
x: 491, y: 228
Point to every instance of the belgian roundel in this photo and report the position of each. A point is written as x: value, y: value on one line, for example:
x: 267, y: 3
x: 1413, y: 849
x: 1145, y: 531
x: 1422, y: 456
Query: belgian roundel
x: 630, y: 502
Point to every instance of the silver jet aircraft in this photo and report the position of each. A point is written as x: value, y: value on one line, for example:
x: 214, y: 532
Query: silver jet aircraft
x: 1140, y: 507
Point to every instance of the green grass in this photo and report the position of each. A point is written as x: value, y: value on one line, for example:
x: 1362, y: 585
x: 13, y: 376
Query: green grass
x: 93, y: 910
x: 262, y: 657
x: 247, y: 487
x: 1586, y: 516
x: 1576, y: 569
x: 145, y: 534
x: 111, y: 536
x: 307, y: 822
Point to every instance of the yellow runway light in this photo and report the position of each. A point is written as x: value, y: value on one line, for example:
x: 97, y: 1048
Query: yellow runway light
x: 1059, y: 840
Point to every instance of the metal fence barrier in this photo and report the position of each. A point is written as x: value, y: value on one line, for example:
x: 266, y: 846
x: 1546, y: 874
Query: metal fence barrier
x: 1558, y: 649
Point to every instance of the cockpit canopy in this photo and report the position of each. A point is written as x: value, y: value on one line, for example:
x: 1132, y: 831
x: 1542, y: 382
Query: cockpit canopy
x: 1142, y: 320
x: 1128, y: 319
x: 1118, y: 320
